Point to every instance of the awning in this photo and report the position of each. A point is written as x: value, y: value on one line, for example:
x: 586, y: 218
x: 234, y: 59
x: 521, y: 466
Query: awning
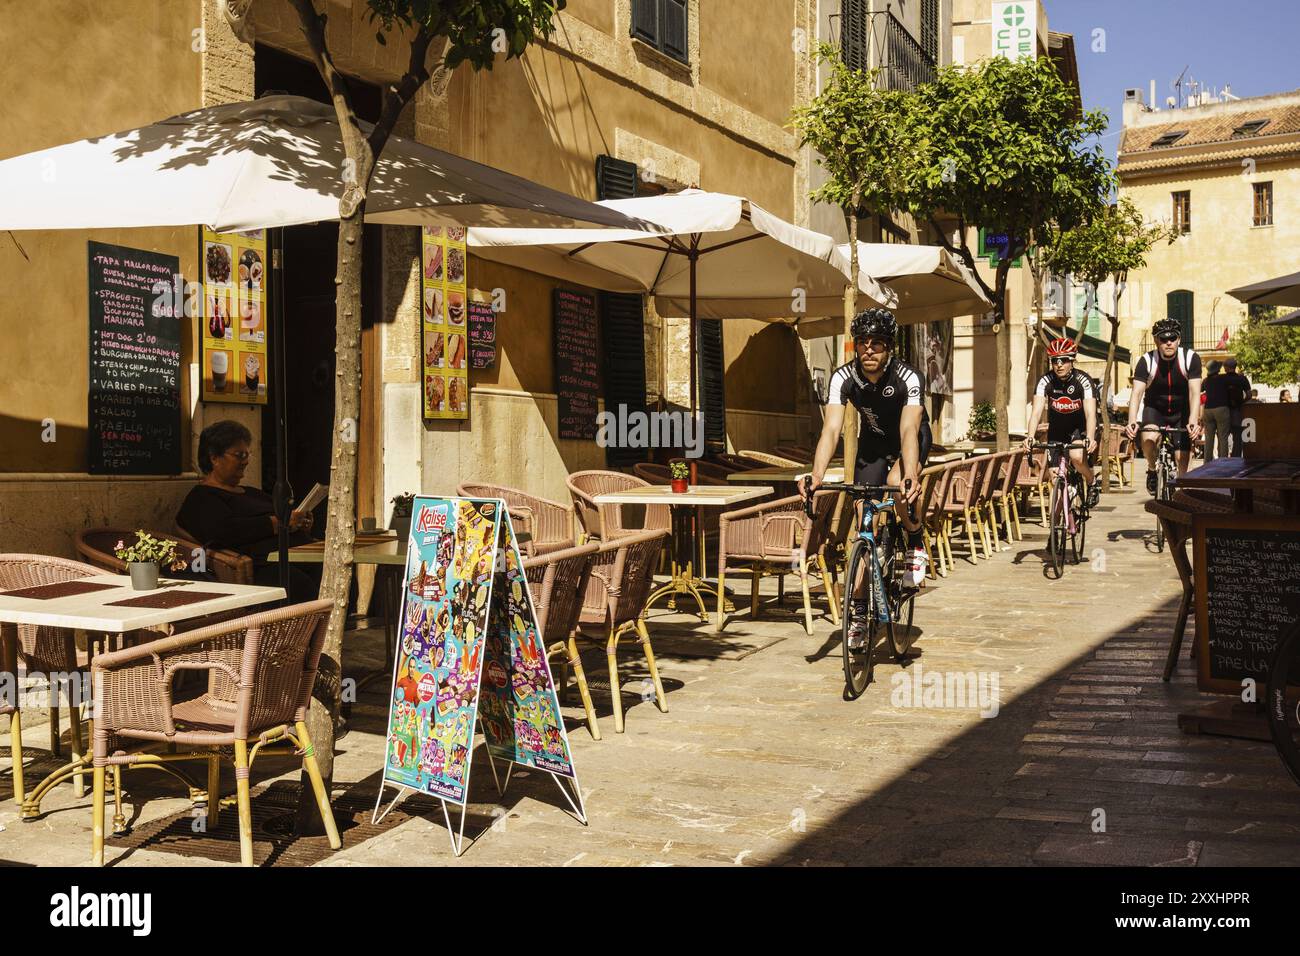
x: 1291, y: 318
x: 1093, y: 347
x: 1284, y: 290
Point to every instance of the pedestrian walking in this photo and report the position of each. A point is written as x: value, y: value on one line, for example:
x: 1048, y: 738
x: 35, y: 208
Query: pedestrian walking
x: 1218, y: 413
x: 1239, y: 390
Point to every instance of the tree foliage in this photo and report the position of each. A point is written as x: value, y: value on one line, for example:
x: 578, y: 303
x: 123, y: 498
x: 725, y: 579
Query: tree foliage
x: 1107, y: 247
x: 1268, y: 353
x: 477, y: 31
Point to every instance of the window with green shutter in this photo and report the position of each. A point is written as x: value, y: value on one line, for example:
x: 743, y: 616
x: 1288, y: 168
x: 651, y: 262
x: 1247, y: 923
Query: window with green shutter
x: 710, y: 394
x: 853, y: 34
x: 663, y: 24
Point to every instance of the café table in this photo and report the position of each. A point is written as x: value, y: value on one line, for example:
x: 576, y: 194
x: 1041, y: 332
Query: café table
x: 387, y: 553
x: 107, y: 609
x: 1246, y: 476
x: 687, y: 510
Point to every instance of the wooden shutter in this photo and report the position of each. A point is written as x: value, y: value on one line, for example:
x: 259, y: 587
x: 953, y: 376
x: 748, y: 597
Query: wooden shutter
x: 672, y: 29
x: 711, y: 396
x: 615, y: 178
x: 853, y: 33
x: 645, y: 21
x: 1179, y: 306
x: 622, y: 333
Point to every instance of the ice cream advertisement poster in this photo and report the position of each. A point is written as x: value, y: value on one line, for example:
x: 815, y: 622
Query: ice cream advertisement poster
x: 519, y: 709
x: 446, y: 597
x: 444, y: 330
x: 233, y: 316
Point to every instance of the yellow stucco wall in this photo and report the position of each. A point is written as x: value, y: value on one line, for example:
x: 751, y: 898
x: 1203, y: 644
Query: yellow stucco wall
x: 1222, y: 251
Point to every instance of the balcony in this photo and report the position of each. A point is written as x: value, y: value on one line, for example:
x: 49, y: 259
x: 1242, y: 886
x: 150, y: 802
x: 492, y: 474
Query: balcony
x: 880, y: 40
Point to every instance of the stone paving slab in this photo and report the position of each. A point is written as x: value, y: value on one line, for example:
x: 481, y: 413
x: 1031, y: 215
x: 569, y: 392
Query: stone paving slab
x: 760, y: 761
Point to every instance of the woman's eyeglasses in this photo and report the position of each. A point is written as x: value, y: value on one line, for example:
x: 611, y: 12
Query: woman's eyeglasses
x: 240, y: 455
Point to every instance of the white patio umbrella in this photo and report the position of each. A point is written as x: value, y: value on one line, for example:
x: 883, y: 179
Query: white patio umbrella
x: 720, y: 256
x: 274, y: 161
x: 930, y: 284
x: 271, y: 162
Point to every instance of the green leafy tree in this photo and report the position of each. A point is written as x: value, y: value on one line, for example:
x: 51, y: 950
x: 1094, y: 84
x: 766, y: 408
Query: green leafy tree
x: 1106, y: 247
x: 1002, y: 145
x: 439, y: 34
x: 1268, y: 353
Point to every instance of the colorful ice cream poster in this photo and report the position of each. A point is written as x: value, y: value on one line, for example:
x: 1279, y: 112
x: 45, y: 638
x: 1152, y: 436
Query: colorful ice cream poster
x: 519, y: 708
x: 451, y: 556
x: 233, y: 322
x: 444, y: 341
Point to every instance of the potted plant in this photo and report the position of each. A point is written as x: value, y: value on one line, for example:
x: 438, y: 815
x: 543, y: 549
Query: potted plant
x: 144, y: 557
x: 983, y: 423
x: 681, y: 476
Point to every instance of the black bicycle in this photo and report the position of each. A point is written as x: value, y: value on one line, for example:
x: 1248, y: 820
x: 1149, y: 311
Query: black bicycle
x: 889, y: 598
x: 1068, y: 505
x: 1284, y: 701
x: 1166, y: 470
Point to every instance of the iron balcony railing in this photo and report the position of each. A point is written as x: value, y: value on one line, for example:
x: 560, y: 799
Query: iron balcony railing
x: 880, y: 40
x: 907, y: 64
x: 1204, y: 337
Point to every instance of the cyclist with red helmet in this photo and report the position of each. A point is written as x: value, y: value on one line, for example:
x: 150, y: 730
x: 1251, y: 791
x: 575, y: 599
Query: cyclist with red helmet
x: 1071, y: 404
x: 1167, y: 387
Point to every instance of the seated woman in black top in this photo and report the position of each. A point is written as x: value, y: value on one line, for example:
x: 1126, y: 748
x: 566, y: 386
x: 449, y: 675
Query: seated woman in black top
x: 219, y: 512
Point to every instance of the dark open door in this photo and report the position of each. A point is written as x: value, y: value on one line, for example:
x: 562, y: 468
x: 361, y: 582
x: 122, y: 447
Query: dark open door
x: 1179, y: 306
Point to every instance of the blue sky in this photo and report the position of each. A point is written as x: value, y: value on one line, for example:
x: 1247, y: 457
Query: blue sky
x: 1249, y: 44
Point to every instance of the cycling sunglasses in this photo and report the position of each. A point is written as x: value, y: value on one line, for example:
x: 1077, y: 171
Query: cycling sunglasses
x: 1062, y: 360
x: 873, y: 344
x: 1168, y: 337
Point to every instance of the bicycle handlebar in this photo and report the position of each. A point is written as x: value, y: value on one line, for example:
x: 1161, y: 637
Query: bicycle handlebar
x: 853, y: 489
x: 1038, y: 445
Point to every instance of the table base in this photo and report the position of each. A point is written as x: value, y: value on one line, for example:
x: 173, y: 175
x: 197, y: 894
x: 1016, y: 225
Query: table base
x: 683, y: 581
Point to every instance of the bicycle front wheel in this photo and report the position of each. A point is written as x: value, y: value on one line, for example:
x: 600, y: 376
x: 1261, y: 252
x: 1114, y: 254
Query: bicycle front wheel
x: 1162, y: 494
x: 859, y: 663
x: 1056, y: 528
x: 1284, y: 702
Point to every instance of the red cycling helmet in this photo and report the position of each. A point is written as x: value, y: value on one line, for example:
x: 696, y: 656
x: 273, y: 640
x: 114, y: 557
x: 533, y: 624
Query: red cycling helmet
x: 1062, y: 348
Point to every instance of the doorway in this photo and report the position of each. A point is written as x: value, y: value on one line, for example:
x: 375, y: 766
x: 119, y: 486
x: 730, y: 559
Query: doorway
x: 310, y: 257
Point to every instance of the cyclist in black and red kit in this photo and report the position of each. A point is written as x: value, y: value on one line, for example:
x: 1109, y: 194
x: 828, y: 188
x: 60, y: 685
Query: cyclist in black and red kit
x: 1071, y: 404
x: 893, y: 433
x: 1169, y: 378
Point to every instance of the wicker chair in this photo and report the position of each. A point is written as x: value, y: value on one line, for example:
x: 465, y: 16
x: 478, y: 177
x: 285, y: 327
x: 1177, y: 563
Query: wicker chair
x: 794, y: 450
x: 42, y: 650
x: 558, y: 580
x: 1120, y: 450
x: 778, y: 537
x: 261, y: 669
x: 962, y: 501
x: 934, y: 485
x: 622, y: 575
x: 95, y: 546
x: 1002, y: 494
x: 541, y: 525
x: 739, y: 462
x: 607, y: 520
x: 774, y: 461
x: 1032, y: 479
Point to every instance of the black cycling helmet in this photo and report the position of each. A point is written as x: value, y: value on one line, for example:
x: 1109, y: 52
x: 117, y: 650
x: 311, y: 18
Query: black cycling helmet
x: 878, y: 322
x: 1165, y: 327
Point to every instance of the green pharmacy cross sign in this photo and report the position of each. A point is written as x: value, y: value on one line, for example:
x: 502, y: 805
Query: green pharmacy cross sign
x: 1015, y: 29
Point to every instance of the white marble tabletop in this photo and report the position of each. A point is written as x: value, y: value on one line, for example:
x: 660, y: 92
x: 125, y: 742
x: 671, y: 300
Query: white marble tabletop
x: 716, y: 496
x: 93, y: 611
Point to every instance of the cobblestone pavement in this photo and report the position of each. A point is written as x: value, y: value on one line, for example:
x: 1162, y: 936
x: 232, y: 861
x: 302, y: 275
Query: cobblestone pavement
x: 760, y: 761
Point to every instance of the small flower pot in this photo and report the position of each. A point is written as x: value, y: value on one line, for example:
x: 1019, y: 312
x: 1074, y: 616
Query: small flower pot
x: 144, y: 575
x: 681, y: 485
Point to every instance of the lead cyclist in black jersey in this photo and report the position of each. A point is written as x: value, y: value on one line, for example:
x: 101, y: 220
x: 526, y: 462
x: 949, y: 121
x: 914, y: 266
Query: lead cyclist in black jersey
x: 893, y: 436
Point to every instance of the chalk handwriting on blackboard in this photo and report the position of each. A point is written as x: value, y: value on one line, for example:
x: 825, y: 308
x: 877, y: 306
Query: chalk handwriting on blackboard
x: 1253, y: 592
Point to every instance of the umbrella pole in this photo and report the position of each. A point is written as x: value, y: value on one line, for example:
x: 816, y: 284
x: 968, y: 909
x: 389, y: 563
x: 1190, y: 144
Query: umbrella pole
x: 282, y: 493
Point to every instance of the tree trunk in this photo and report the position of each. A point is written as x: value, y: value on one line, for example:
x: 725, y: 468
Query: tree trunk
x: 1002, y: 349
x: 850, y: 309
x: 1107, y: 387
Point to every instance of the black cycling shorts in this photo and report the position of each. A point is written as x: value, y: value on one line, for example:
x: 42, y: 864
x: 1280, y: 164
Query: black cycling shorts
x: 1181, y: 440
x: 1070, y: 434
x: 873, y: 468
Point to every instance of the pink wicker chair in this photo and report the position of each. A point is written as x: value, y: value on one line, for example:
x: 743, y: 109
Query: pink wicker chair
x: 95, y: 546
x: 557, y: 581
x: 42, y: 650
x: 542, y: 525
x: 622, y: 575
x: 261, y: 669
x: 585, y: 485
x: 777, y: 537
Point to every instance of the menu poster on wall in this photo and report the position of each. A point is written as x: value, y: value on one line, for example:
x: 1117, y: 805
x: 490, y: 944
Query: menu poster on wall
x: 577, y: 371
x: 234, y: 363
x: 482, y: 331
x: 134, y: 415
x: 444, y: 344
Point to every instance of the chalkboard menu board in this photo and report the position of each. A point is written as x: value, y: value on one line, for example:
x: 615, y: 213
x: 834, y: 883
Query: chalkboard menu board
x: 482, y: 334
x: 134, y: 423
x: 1247, y: 593
x: 577, y: 370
